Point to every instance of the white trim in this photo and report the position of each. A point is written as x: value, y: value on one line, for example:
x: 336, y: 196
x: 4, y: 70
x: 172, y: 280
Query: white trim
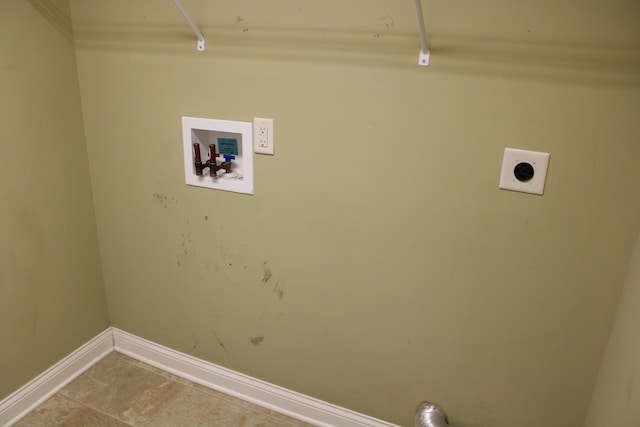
x: 45, y: 385
x: 262, y: 393
x: 247, y: 388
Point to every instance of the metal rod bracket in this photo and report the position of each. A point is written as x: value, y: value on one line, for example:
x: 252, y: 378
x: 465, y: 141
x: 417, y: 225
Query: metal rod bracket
x: 423, y: 58
x: 425, y: 55
x: 201, y: 42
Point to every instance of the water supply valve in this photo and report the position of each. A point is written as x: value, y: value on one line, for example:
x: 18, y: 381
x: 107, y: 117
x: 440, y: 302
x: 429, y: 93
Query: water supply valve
x: 215, y: 169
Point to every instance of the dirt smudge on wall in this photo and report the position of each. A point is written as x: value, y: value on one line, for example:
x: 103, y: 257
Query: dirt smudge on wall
x: 257, y: 340
x: 278, y: 291
x: 267, y: 273
x: 221, y: 343
x: 164, y: 201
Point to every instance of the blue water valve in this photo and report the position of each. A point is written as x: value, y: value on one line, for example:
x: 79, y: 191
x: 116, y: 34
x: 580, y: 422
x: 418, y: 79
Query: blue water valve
x: 228, y: 157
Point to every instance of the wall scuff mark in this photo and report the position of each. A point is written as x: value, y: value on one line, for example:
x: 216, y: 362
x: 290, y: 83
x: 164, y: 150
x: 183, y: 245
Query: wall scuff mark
x: 257, y: 340
x: 267, y: 273
x: 221, y: 343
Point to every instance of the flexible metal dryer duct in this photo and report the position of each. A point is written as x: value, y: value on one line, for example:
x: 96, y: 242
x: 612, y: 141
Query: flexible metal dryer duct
x: 430, y: 415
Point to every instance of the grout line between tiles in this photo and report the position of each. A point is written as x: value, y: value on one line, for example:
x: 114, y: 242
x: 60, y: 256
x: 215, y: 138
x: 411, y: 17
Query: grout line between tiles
x: 164, y: 405
x: 94, y: 409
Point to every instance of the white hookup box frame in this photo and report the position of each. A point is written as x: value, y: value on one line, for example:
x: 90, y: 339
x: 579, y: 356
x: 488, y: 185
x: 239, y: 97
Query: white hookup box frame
x: 209, y: 131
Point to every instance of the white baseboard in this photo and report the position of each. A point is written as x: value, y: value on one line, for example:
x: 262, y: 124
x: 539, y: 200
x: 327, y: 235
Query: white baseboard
x: 250, y: 389
x: 287, y: 402
x: 45, y: 385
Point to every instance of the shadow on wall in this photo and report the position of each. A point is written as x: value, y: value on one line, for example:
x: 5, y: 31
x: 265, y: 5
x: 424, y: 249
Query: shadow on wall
x: 465, y: 54
x: 563, y: 62
x: 56, y: 16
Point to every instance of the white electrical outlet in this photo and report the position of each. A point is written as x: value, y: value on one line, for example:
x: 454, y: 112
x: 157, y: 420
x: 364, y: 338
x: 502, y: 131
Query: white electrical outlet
x: 524, y: 171
x: 263, y: 136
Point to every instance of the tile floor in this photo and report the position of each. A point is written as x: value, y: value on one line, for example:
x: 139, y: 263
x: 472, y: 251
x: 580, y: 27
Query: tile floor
x: 120, y: 391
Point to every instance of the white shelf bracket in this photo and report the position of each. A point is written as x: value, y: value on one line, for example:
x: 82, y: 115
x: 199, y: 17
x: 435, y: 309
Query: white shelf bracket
x: 425, y: 55
x: 201, y: 42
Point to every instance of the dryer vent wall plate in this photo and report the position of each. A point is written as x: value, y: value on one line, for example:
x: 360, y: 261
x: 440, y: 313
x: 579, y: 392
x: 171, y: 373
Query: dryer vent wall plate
x: 524, y: 171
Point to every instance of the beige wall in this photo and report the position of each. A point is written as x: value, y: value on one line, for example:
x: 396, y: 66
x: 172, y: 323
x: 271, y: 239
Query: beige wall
x: 616, y: 395
x: 52, y: 296
x: 399, y: 272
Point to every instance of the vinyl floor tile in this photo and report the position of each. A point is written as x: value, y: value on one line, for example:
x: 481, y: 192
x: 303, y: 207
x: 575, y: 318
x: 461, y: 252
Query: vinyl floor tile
x: 122, y: 392
x: 194, y: 408
x: 62, y: 411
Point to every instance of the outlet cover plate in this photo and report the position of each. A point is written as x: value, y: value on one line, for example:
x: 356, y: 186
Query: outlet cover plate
x: 539, y: 163
x: 263, y: 136
x: 212, y: 131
